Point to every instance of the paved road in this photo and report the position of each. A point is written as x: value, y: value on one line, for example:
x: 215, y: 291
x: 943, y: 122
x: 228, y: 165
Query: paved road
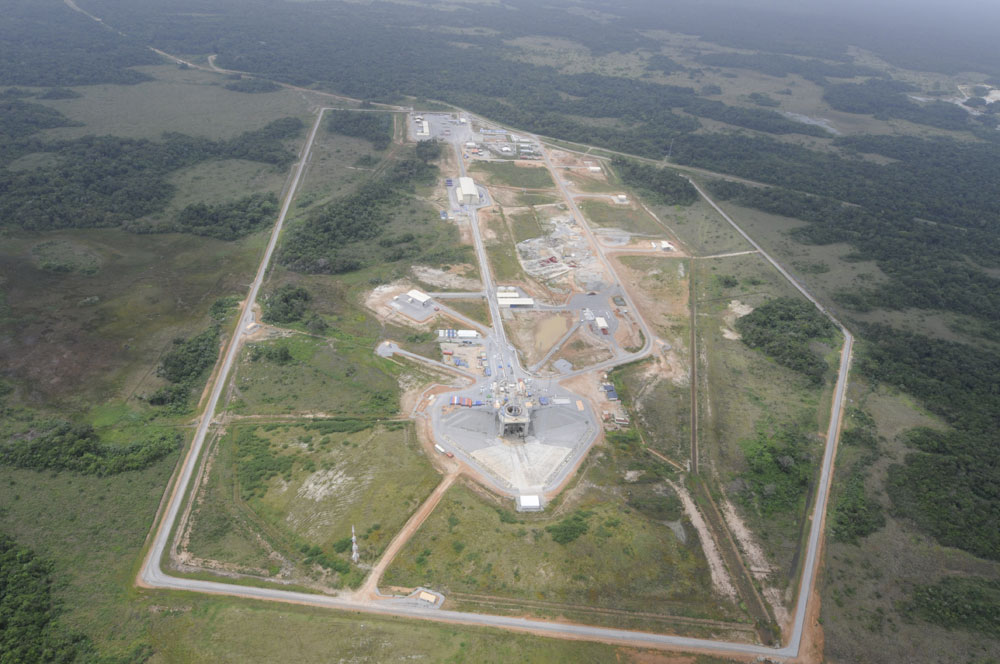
x: 388, y: 349
x: 612, y: 274
x: 832, y: 436
x: 152, y: 575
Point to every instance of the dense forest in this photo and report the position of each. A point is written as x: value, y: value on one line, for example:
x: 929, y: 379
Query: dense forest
x: 60, y: 445
x: 287, y: 304
x: 661, y: 184
x: 228, y: 221
x: 775, y: 64
x: 48, y: 44
x: 855, y: 513
x: 783, y: 329
x: 352, y: 232
x: 927, y: 264
x: 184, y: 367
x: 888, y: 99
x: 29, y: 628
x: 780, y: 467
x: 950, y: 484
x: 959, y: 602
x: 99, y: 181
x: 19, y: 118
x: 375, y: 127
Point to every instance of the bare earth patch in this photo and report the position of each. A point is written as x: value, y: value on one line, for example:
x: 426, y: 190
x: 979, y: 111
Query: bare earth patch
x: 452, y: 278
x: 720, y: 576
x: 736, y: 309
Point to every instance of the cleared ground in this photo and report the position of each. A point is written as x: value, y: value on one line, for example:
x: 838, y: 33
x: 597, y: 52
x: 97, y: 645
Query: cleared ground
x: 626, y: 217
x: 513, y: 174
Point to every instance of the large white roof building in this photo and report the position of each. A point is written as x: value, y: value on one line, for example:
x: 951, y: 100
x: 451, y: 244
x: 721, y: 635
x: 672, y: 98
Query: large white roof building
x: 467, y: 192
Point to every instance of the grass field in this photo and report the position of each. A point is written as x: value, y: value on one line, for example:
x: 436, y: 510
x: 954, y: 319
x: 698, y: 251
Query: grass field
x: 80, y: 339
x: 625, y: 217
x: 742, y: 391
x: 625, y: 558
x: 231, y: 632
x: 183, y: 100
x: 324, y: 376
x: 93, y: 528
x: 337, y: 165
x: 525, y: 225
x: 221, y: 528
x: 474, y: 309
x: 501, y: 251
x: 701, y: 228
x: 372, y: 479
x: 512, y: 174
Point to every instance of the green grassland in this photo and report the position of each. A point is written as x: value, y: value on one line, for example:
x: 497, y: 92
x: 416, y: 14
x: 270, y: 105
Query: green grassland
x: 222, y: 180
x: 373, y: 479
x: 474, y: 309
x: 325, y: 481
x: 337, y: 165
x: 662, y: 405
x: 502, y: 253
x: 325, y: 376
x: 81, y: 339
x: 603, y: 544
x: 512, y: 175
x: 592, y: 185
x: 182, y: 100
x: 610, y: 215
x: 743, y: 394
x: 821, y: 268
x: 701, y: 228
x: 534, y: 198
x: 92, y: 529
x: 221, y: 527
x: 525, y: 225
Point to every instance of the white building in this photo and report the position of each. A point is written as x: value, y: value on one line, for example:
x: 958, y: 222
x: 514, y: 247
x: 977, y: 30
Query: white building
x: 529, y: 503
x: 467, y: 334
x: 516, y: 302
x: 419, y: 298
x: 467, y: 192
x: 601, y: 323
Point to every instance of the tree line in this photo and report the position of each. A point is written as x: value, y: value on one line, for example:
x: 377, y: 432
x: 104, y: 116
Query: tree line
x: 376, y: 128
x: 662, y: 184
x: 62, y: 445
x: 783, y: 329
x: 101, y: 181
x: 183, y: 367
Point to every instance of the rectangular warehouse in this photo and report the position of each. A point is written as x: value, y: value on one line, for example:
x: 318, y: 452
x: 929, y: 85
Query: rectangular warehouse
x: 467, y: 194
